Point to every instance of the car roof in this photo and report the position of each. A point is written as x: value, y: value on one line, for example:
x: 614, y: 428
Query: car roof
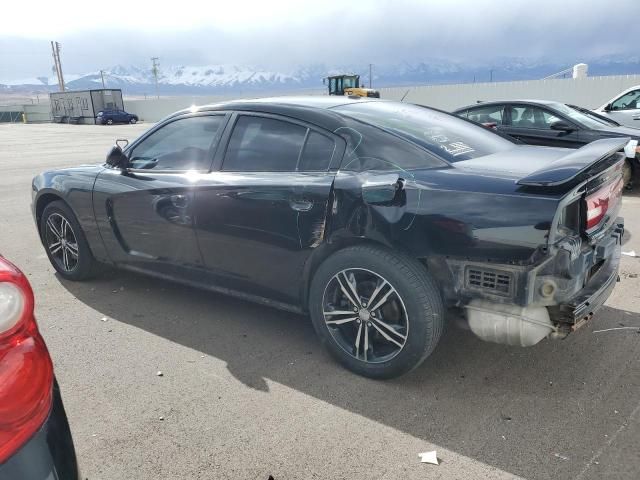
x: 313, y: 101
x: 314, y: 109
x: 499, y: 102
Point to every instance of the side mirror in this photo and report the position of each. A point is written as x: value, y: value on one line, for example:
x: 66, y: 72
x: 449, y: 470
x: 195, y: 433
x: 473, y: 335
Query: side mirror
x: 562, y: 126
x: 116, y: 158
x: 607, y: 107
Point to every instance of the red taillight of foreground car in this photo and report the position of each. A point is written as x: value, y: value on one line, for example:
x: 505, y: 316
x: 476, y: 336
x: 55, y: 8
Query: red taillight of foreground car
x: 26, y: 372
x: 601, y: 201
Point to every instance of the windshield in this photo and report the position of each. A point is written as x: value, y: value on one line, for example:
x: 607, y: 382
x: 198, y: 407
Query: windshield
x: 445, y: 135
x: 579, y: 117
x: 595, y: 116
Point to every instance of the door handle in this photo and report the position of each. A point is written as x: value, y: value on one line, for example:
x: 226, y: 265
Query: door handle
x: 179, y: 201
x: 301, y: 205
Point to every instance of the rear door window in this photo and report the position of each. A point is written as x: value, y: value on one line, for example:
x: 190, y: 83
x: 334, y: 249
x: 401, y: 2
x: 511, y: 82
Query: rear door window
x: 263, y: 144
x: 317, y: 154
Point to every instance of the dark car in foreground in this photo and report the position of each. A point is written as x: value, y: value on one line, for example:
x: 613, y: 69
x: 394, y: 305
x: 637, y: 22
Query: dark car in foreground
x: 35, y: 441
x: 553, y: 124
x: 374, y: 217
x: 109, y: 117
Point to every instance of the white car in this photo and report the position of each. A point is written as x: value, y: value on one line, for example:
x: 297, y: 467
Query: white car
x: 623, y: 108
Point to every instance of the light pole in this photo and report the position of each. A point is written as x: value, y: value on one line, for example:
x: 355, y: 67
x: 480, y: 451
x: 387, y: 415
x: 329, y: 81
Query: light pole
x: 155, y: 71
x: 102, y: 76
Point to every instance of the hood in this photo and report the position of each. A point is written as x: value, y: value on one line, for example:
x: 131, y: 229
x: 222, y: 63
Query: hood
x: 621, y: 131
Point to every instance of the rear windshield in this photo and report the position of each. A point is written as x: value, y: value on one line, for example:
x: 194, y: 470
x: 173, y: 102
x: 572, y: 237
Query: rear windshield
x: 447, y: 136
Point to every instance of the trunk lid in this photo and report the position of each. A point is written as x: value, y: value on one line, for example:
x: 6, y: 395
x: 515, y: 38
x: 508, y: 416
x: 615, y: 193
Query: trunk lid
x: 534, y: 166
x: 572, y: 166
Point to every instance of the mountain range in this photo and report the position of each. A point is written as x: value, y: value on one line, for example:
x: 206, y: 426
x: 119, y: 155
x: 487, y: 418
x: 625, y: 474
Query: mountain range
x: 212, y: 79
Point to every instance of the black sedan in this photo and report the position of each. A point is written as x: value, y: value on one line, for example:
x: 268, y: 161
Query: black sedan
x: 552, y: 124
x: 374, y: 217
x: 35, y: 441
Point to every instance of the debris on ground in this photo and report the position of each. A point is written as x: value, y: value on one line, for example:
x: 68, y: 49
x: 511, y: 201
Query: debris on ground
x: 161, y: 418
x: 632, y: 253
x: 617, y: 328
x: 104, y: 319
x: 429, y: 457
x: 159, y: 373
x: 561, y: 457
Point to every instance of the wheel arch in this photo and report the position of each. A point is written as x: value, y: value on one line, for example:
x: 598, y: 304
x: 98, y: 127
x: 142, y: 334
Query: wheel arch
x: 42, y: 201
x: 328, y: 248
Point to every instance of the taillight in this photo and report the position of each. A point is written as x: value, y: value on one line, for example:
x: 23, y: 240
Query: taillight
x: 26, y: 372
x: 601, y: 201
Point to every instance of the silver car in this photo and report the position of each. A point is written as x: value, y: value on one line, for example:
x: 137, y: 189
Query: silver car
x: 623, y: 108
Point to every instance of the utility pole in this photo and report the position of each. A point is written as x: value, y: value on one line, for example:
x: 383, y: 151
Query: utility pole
x: 155, y: 72
x: 55, y: 49
x: 491, y: 75
x: 370, y: 66
x: 102, y: 76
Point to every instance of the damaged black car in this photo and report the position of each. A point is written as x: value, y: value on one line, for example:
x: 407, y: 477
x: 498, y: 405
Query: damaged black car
x: 376, y: 218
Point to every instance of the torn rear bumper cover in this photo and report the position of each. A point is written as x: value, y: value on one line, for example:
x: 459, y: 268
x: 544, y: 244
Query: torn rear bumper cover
x: 595, y: 293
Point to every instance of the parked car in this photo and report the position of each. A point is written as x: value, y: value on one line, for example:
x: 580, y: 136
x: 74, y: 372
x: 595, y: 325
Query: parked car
x: 109, y: 117
x: 624, y: 108
x: 553, y: 124
x: 374, y: 217
x: 35, y: 441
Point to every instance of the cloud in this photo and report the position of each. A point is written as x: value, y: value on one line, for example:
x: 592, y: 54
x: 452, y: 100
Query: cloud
x: 282, y: 34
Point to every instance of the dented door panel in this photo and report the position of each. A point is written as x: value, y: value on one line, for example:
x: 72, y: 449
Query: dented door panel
x: 256, y: 229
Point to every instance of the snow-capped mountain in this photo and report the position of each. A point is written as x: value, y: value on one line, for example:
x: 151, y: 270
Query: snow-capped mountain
x: 228, y: 78
x: 174, y: 79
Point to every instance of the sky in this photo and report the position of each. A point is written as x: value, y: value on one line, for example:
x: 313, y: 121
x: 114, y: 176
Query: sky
x: 284, y: 34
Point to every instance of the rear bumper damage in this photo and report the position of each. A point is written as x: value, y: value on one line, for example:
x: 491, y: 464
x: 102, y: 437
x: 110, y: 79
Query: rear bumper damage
x: 582, y: 307
x: 521, y: 305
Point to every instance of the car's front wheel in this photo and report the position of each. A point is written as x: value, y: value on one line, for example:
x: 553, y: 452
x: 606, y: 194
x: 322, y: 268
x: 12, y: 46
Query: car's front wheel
x: 133, y: 121
x: 378, y: 312
x: 65, y: 242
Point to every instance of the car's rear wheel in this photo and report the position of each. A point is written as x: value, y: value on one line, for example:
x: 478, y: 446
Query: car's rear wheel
x: 378, y: 312
x: 133, y: 121
x: 109, y: 121
x: 65, y: 242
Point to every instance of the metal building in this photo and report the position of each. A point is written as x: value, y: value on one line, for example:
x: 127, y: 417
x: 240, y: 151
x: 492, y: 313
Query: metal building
x: 82, y: 106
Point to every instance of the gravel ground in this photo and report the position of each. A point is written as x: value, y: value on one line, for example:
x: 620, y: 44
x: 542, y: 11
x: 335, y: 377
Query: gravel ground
x: 247, y: 392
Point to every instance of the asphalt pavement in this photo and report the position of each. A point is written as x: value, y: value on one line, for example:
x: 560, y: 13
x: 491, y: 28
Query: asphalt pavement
x: 246, y: 391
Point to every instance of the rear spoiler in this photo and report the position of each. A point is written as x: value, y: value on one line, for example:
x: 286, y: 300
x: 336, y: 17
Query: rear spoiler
x: 567, y: 168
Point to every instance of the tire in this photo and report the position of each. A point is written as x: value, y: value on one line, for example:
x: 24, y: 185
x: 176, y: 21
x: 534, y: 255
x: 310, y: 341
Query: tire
x: 412, y: 309
x: 133, y: 121
x: 72, y: 260
x: 109, y: 122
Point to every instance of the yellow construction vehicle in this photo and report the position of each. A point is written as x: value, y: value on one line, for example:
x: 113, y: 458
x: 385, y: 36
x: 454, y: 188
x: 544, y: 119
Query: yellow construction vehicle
x: 349, y: 85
